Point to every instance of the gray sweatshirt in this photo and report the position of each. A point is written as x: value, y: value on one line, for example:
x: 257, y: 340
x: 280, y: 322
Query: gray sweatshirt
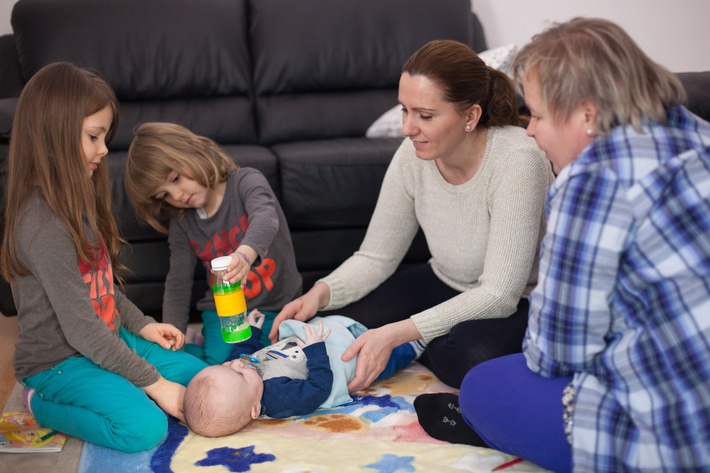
x: 249, y: 215
x: 66, y: 307
x: 483, y: 235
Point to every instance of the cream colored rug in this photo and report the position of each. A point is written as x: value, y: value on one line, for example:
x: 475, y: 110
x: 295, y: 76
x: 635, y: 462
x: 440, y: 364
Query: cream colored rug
x: 377, y: 432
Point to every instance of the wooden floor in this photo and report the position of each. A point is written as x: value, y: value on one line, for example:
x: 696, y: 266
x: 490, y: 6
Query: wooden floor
x: 8, y: 335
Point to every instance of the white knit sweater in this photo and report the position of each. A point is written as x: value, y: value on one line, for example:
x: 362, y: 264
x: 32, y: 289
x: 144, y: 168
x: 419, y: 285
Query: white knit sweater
x: 483, y: 235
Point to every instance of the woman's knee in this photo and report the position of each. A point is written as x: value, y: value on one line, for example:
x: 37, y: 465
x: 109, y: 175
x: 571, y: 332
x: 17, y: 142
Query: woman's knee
x: 483, y: 384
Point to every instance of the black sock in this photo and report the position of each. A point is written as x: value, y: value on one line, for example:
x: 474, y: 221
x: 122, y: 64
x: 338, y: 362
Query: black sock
x: 440, y: 417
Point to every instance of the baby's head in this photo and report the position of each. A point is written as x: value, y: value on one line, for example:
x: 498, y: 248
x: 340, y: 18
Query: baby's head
x: 222, y: 399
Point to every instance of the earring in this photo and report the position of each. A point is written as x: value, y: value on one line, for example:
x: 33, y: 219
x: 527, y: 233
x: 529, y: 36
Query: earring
x: 590, y: 132
x: 468, y: 127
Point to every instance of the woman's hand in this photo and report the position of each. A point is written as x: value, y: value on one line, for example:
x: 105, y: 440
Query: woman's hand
x: 303, y: 308
x: 374, y: 349
x: 165, y: 335
x: 169, y: 396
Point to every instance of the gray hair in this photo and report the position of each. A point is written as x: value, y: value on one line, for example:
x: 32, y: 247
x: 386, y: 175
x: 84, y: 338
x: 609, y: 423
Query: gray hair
x: 595, y: 59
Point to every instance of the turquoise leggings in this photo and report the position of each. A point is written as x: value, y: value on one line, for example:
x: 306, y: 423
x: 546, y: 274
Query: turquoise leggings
x: 81, y: 399
x: 214, y: 350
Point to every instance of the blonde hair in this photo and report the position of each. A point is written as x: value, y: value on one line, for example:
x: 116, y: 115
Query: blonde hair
x: 211, y: 412
x: 159, y: 149
x: 595, y: 59
x: 46, y: 155
x: 466, y: 80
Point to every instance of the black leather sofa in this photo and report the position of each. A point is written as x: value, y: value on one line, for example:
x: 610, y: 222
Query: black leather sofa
x: 286, y: 86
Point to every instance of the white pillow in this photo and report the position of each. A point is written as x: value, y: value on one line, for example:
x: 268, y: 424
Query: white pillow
x: 389, y: 124
x: 501, y: 57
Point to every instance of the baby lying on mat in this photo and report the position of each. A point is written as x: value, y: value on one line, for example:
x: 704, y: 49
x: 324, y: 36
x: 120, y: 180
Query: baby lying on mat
x: 292, y: 377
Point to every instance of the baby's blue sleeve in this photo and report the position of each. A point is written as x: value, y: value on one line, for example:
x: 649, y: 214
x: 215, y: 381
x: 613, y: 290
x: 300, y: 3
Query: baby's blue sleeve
x: 248, y: 346
x: 286, y: 397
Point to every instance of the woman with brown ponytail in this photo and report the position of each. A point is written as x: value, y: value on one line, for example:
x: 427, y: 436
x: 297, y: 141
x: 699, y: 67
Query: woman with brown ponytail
x: 468, y: 175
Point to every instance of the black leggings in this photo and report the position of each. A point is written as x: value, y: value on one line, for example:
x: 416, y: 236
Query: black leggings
x: 469, y: 343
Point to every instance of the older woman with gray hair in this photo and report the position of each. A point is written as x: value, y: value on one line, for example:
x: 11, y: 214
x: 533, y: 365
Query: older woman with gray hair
x: 614, y: 374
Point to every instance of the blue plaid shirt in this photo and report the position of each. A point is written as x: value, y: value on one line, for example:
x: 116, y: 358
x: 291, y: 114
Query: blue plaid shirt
x: 623, y: 298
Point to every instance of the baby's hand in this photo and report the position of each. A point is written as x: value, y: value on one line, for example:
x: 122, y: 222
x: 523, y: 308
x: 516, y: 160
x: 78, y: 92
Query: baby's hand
x: 255, y: 318
x: 313, y: 336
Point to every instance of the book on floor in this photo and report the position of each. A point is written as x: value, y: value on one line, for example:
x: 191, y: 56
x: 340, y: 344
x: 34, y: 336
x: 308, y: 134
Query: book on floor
x: 20, y: 433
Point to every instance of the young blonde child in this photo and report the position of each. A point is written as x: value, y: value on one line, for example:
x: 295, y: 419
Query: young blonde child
x: 300, y: 373
x: 214, y: 208
x: 93, y: 365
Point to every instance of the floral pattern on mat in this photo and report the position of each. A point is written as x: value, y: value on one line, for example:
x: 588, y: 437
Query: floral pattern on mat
x: 377, y: 432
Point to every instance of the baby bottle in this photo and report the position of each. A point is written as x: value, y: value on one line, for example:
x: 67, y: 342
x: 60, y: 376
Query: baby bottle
x: 230, y: 303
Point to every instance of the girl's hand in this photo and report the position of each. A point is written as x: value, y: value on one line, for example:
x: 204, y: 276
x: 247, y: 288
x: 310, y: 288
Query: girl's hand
x: 169, y: 396
x: 313, y: 336
x: 303, y: 308
x: 256, y: 318
x: 165, y: 335
x: 238, y: 269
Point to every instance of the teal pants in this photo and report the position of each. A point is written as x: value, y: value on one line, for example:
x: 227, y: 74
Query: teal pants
x: 214, y: 350
x: 81, y: 399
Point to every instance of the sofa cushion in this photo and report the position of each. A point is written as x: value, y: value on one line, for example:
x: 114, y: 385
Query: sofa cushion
x: 318, y: 49
x: 182, y: 61
x: 333, y: 183
x: 227, y: 120
x: 175, y: 48
x: 10, y: 80
x: 7, y: 115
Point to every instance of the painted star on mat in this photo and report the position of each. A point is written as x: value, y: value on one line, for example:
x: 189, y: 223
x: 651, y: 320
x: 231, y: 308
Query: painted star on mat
x: 392, y: 464
x: 235, y: 459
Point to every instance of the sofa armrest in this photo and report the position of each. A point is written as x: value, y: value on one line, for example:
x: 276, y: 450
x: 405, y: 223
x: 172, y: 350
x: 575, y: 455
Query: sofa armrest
x: 10, y: 79
x: 697, y: 86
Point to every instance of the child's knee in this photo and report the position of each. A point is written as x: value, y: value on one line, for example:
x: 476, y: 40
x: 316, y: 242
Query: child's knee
x: 144, y: 434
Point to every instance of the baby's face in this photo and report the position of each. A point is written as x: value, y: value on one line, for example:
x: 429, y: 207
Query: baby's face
x: 243, y: 380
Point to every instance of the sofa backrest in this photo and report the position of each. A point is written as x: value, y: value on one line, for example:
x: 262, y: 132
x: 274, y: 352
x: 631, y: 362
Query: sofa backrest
x: 172, y: 60
x: 329, y: 68
x: 241, y: 71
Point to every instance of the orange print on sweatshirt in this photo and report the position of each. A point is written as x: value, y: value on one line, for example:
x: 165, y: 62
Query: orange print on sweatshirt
x: 99, y: 279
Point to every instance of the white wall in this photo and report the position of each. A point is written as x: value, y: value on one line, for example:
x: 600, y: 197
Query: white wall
x: 672, y: 32
x: 5, y: 11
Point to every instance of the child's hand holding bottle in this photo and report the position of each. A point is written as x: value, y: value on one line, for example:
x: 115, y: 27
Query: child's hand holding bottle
x: 238, y: 269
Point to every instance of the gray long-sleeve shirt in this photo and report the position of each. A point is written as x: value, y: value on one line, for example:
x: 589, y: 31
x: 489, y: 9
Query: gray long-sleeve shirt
x: 249, y: 215
x: 67, y: 308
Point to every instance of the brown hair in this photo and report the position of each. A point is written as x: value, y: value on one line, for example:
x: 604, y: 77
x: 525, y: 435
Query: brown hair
x: 161, y: 148
x: 46, y: 155
x: 466, y: 80
x: 595, y: 59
